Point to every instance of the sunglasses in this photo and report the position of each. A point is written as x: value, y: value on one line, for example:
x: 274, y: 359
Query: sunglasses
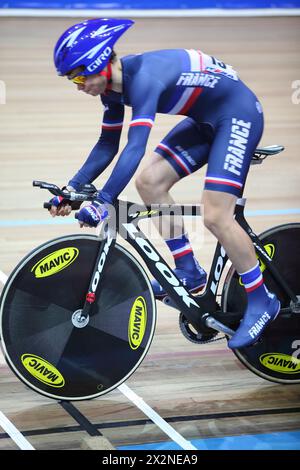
x: 78, y: 80
x: 81, y: 79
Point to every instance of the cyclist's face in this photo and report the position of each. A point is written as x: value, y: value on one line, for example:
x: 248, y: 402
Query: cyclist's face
x: 92, y: 84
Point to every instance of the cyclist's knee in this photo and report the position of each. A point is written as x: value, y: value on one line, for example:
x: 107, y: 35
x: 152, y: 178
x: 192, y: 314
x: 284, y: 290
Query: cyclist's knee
x: 145, y: 182
x: 212, y: 219
x: 153, y: 180
x: 217, y: 219
x: 217, y: 214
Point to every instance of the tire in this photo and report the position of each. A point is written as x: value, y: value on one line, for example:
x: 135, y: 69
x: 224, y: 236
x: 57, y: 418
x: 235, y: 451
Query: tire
x: 44, y: 343
x: 276, y: 356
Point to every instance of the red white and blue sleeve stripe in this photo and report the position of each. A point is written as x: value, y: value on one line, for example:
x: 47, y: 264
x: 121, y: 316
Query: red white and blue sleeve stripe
x: 112, y: 126
x: 129, y: 159
x: 142, y: 121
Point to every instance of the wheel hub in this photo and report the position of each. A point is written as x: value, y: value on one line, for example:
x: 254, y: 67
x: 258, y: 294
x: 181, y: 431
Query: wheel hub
x: 78, y: 320
x: 295, y: 306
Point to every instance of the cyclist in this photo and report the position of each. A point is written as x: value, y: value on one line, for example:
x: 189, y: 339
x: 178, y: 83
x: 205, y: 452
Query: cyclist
x: 223, y: 125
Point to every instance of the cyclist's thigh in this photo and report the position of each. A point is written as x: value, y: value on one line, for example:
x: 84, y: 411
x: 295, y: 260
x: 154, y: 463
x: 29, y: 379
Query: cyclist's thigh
x: 185, y: 147
x: 157, y: 173
x: 232, y: 148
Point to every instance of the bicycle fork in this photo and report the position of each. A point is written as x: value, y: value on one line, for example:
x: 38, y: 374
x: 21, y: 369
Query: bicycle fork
x: 106, y: 241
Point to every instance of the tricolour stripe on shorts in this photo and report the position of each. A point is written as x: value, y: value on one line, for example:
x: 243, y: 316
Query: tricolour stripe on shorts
x: 225, y: 181
x: 175, y: 157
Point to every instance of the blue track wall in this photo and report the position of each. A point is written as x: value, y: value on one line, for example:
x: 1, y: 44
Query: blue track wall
x: 148, y: 4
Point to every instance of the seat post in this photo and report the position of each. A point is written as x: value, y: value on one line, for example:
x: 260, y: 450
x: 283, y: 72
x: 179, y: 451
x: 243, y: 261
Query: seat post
x: 241, y: 201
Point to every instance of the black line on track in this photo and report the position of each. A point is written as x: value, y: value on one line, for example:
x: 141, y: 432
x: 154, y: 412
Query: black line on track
x: 83, y: 422
x: 142, y: 422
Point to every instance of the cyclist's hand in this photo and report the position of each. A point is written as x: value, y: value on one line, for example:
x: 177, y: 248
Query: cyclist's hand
x: 60, y: 206
x: 92, y: 214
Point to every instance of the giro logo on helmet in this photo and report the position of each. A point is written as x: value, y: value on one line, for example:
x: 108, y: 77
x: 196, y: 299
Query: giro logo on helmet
x: 105, y: 54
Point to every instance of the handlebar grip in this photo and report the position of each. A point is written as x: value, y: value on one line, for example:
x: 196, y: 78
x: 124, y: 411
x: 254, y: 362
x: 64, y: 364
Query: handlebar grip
x: 74, y: 205
x: 36, y: 183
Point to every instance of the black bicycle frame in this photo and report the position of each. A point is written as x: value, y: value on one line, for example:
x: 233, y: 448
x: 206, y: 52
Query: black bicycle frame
x: 261, y: 252
x: 129, y: 230
x: 198, y: 309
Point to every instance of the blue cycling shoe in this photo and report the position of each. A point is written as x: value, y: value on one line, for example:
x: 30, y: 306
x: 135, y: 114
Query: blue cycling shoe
x: 255, y: 322
x: 194, y: 281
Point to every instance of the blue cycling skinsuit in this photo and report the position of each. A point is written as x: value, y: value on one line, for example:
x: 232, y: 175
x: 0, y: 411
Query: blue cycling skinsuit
x: 223, y: 124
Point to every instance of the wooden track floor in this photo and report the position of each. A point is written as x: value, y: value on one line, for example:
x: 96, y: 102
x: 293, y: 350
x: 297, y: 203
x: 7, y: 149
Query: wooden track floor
x: 47, y: 129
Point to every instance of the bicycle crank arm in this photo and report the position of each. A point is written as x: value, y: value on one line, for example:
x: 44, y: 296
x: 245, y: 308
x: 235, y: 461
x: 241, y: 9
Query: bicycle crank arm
x: 211, y: 322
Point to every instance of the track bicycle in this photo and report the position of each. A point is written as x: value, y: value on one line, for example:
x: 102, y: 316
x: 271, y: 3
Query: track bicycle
x: 77, y: 314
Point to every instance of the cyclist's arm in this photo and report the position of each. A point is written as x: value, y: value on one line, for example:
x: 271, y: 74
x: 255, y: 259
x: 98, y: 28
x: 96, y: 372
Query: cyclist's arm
x: 105, y: 149
x: 144, y: 105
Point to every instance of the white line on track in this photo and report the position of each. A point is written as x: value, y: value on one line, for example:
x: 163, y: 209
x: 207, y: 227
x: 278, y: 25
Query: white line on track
x: 13, y: 432
x: 7, y: 425
x: 3, y: 277
x: 20, y: 440
x: 156, y: 418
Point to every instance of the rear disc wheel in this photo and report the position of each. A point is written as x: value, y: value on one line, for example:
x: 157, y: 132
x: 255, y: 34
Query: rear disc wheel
x: 276, y: 356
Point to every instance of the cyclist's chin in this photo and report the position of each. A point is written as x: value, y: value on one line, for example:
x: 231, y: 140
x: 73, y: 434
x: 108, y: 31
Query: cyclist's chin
x: 94, y: 92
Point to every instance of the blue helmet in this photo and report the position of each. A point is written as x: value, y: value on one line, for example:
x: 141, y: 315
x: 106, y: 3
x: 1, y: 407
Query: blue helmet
x: 88, y: 44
